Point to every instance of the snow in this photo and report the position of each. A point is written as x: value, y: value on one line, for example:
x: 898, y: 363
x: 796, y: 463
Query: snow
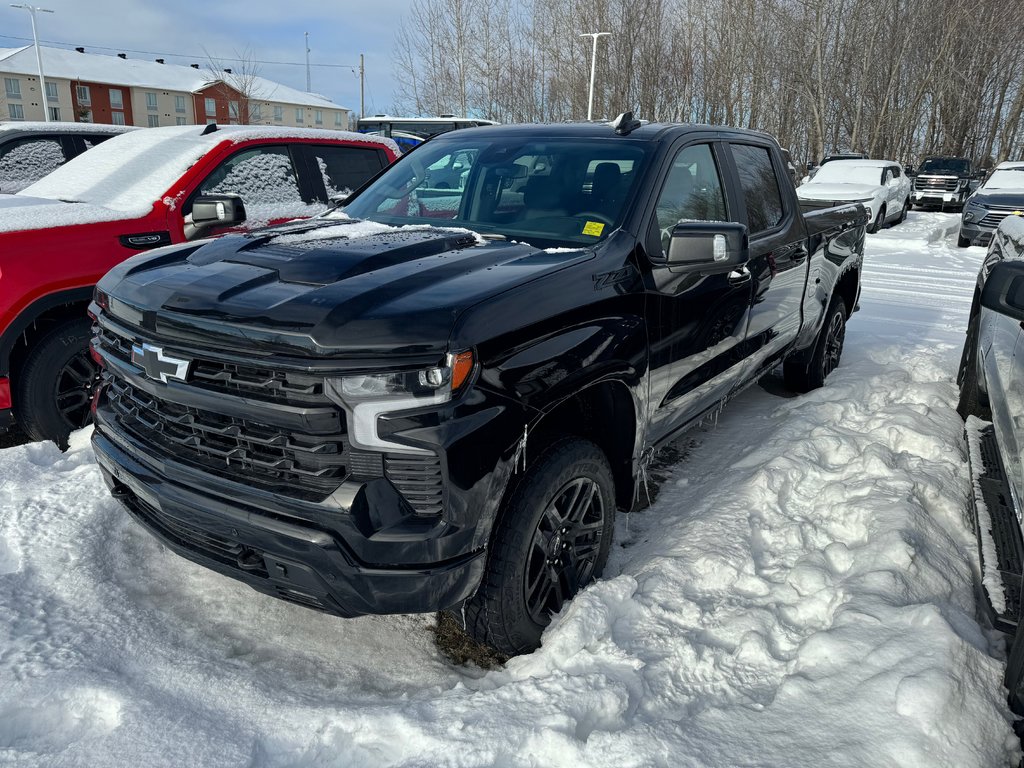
x: 30, y: 126
x: 990, y: 577
x: 25, y: 163
x: 801, y: 593
x: 126, y: 175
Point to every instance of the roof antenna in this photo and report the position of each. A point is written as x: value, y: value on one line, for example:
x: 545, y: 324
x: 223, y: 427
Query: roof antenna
x: 209, y: 129
x: 624, y: 124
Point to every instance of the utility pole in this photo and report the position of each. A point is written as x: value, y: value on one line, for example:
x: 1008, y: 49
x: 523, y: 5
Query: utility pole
x: 309, y: 82
x: 593, y: 67
x: 39, y: 56
x: 362, y: 88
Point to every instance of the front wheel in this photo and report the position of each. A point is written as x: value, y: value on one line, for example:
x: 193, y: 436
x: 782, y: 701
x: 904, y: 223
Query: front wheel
x: 903, y: 213
x: 551, y: 539
x: 53, y: 393
x: 828, y: 348
x: 962, y: 242
x: 878, y: 222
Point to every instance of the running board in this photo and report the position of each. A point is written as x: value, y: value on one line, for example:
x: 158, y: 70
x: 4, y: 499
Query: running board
x: 996, y: 527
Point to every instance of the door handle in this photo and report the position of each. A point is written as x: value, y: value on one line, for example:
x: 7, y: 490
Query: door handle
x: 739, y: 276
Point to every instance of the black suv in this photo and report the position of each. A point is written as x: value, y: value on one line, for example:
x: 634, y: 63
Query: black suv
x: 29, y: 151
x: 944, y: 181
x: 437, y: 397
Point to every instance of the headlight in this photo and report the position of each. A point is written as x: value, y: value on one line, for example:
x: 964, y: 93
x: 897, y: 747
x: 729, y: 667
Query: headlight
x: 367, y: 396
x: 974, y: 211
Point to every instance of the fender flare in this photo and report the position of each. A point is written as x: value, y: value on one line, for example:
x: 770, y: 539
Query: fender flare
x: 33, y: 312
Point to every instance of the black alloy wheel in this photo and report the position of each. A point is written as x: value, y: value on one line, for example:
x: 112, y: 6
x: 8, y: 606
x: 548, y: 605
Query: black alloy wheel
x: 564, y: 549
x: 835, y: 335
x: 551, y: 538
x: 74, y: 389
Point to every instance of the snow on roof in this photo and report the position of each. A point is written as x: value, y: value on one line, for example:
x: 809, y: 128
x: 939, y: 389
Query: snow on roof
x: 130, y: 172
x: 61, y: 127
x: 861, y: 163
x: 1010, y: 164
x: 139, y: 73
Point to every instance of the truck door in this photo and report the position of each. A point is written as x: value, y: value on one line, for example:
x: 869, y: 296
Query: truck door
x: 778, y: 254
x: 695, y: 322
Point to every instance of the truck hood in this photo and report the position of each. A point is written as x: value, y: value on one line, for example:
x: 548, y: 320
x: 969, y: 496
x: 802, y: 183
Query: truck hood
x: 831, y: 191
x: 345, y: 289
x: 19, y: 213
x: 999, y: 199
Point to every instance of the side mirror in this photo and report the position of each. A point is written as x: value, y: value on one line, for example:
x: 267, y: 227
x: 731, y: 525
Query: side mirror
x: 707, y: 246
x: 1004, y: 289
x: 217, y: 211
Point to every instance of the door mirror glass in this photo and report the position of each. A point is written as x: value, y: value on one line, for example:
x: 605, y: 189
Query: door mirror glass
x: 1004, y: 289
x: 217, y: 211
x: 708, y: 246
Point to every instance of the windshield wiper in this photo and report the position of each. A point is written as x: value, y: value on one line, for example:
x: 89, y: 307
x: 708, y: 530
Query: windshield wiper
x: 491, y: 236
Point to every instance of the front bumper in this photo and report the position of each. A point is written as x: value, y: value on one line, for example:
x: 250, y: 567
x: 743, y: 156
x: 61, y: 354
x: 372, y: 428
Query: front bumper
x: 249, y: 536
x: 928, y: 197
x: 976, y: 233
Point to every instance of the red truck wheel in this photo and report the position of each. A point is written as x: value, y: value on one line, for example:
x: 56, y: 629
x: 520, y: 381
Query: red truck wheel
x: 53, y: 392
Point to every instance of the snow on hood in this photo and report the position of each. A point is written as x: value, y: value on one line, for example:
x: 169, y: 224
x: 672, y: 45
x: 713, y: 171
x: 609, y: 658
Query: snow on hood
x: 19, y: 213
x: 832, y: 191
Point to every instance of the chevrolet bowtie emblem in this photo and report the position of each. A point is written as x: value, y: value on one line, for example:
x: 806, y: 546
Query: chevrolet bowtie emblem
x: 157, y: 365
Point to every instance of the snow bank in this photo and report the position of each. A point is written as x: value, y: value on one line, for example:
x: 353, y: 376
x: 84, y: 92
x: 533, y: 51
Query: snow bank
x: 800, y: 594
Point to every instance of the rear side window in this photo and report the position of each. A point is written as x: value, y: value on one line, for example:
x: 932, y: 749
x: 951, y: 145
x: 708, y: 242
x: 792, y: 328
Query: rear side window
x: 28, y: 160
x: 760, y: 186
x: 344, y: 169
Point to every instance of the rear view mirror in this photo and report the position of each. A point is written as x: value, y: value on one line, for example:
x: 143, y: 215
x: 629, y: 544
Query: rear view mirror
x: 707, y: 246
x: 1004, y: 289
x: 217, y: 211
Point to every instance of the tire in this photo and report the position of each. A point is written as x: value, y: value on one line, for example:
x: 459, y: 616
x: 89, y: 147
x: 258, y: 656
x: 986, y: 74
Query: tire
x: 903, y: 213
x: 1014, y: 676
x: 53, y: 392
x: 522, y: 586
x: 828, y: 348
x: 961, y: 241
x: 972, y: 402
x: 878, y: 222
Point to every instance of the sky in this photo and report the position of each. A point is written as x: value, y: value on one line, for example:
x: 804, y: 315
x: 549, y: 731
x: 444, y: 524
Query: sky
x: 273, y: 30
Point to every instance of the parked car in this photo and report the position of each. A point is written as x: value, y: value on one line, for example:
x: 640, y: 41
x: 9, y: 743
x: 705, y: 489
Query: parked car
x: 944, y: 181
x: 1000, y: 196
x: 880, y: 185
x: 136, y: 192
x: 991, y: 383
x: 29, y: 151
x: 437, y: 398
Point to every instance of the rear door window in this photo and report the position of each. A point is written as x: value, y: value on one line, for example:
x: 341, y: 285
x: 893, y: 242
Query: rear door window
x: 344, y: 169
x: 25, y: 161
x: 760, y: 186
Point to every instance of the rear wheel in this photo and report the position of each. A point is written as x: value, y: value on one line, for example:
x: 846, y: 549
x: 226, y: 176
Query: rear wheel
x: 803, y: 376
x: 551, y: 539
x: 53, y: 393
x: 973, y: 402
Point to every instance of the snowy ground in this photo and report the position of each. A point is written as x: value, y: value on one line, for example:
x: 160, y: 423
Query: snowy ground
x: 800, y: 594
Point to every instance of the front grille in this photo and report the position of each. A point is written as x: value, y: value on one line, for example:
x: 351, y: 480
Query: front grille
x: 240, y: 380
x: 994, y: 217
x: 306, y: 466
x: 419, y: 480
x: 935, y: 185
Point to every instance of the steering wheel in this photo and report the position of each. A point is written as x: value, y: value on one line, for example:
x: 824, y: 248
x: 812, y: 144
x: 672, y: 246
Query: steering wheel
x: 593, y: 216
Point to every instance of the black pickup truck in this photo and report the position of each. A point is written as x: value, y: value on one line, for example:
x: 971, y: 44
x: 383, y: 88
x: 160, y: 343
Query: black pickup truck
x: 944, y: 181
x: 437, y: 398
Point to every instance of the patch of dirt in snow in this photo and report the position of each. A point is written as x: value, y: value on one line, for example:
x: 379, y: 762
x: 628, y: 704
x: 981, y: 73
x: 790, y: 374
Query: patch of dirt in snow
x: 801, y: 592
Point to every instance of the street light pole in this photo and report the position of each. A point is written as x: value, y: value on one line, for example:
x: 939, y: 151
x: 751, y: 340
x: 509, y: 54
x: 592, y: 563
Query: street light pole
x: 309, y: 82
x: 593, y: 67
x: 39, y: 56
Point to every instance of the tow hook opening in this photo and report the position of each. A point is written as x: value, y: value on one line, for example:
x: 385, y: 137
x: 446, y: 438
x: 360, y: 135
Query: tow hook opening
x: 250, y: 560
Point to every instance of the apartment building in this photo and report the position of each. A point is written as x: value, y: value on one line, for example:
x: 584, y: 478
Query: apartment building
x: 86, y: 87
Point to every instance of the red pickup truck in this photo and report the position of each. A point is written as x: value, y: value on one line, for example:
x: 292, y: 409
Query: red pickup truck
x: 136, y: 192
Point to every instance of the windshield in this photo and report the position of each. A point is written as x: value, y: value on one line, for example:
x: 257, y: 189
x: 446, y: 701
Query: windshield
x: 950, y: 166
x: 842, y: 172
x: 1006, y: 178
x: 542, y: 191
x: 127, y: 173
